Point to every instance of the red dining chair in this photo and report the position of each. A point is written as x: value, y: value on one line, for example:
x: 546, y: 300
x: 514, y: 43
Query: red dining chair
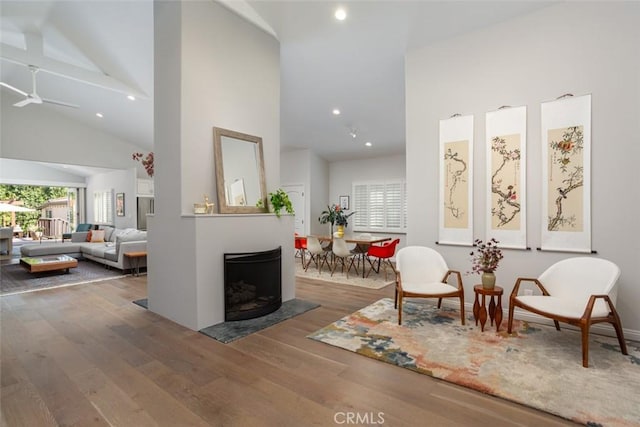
x: 300, y: 244
x: 382, y: 255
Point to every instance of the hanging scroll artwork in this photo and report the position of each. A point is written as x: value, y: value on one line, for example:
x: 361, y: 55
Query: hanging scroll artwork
x: 506, y: 140
x: 456, y: 181
x: 566, y: 173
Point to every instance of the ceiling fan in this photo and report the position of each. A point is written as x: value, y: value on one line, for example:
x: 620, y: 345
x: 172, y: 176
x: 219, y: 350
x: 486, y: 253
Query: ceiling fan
x: 33, y: 97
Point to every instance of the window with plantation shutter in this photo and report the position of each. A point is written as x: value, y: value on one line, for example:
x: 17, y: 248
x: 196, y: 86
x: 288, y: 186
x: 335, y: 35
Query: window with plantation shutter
x: 380, y: 206
x: 103, y: 207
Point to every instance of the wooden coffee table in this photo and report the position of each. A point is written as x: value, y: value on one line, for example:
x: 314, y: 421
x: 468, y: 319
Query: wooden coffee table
x: 49, y: 263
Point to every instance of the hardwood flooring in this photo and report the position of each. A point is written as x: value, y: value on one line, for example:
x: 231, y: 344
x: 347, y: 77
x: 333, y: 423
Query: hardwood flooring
x: 86, y: 355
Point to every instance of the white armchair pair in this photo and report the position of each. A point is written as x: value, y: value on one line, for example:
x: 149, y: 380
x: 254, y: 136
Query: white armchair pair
x: 580, y: 291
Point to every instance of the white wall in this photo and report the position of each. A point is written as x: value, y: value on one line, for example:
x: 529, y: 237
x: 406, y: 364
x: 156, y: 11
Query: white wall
x: 228, y: 67
x: 571, y: 47
x: 20, y: 172
x: 342, y: 174
x: 121, y: 181
x: 212, y: 68
x: 295, y: 169
x: 306, y: 167
x: 37, y: 133
x: 318, y: 192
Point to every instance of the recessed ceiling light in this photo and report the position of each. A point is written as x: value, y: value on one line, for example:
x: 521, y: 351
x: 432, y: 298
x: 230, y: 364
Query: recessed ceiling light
x: 336, y: 112
x: 340, y: 14
x: 368, y: 144
x: 131, y: 98
x: 99, y: 115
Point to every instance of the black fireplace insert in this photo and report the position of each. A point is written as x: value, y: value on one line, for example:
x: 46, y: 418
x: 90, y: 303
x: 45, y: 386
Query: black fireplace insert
x: 252, y: 284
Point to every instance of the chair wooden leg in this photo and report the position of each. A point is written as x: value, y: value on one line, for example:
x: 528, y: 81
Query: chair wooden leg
x: 312, y: 258
x: 323, y: 261
x: 510, y: 321
x: 462, y: 308
x: 617, y: 325
x: 439, y: 302
x: 400, y: 309
x: 352, y: 265
x: 585, y: 345
x: 395, y: 299
x: 555, y: 322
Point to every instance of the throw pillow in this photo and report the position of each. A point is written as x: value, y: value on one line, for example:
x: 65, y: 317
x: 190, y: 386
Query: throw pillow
x: 97, y: 236
x: 89, y: 236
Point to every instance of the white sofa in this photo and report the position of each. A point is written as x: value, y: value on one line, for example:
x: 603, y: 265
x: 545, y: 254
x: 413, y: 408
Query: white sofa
x: 110, y: 252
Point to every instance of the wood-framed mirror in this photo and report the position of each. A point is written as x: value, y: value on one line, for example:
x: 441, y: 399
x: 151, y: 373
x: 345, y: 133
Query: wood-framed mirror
x: 240, y: 179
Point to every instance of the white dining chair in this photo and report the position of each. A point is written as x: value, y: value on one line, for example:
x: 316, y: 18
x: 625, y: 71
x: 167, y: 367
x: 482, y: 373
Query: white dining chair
x: 317, y: 254
x: 342, y: 255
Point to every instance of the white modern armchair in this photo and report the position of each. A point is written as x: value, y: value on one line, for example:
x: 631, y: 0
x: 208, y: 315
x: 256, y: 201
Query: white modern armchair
x: 580, y: 291
x: 421, y: 272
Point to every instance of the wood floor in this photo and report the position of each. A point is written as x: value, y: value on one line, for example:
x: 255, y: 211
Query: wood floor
x: 86, y: 355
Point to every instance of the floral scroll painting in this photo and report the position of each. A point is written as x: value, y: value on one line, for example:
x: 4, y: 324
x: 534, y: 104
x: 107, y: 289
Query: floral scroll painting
x: 506, y: 141
x: 566, y: 171
x: 456, y: 181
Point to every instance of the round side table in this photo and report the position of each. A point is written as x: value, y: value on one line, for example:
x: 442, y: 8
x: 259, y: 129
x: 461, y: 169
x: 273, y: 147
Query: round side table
x: 480, y: 310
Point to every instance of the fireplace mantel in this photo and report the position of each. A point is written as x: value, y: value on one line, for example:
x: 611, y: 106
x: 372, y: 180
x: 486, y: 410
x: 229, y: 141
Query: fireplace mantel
x: 192, y: 293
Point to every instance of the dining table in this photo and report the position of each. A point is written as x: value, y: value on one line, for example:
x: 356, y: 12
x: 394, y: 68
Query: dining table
x: 362, y: 244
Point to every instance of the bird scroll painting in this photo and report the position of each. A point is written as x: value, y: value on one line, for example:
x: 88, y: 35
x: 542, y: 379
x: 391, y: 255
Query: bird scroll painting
x: 506, y: 141
x: 566, y: 168
x: 456, y: 181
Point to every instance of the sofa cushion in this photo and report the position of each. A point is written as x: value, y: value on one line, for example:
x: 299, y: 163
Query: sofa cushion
x: 108, y: 232
x: 96, y: 250
x: 121, y: 232
x: 51, y: 249
x: 111, y: 254
x: 135, y: 236
x: 79, y: 236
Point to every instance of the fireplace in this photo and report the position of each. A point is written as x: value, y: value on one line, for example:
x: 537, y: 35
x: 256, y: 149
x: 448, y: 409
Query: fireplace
x: 252, y: 284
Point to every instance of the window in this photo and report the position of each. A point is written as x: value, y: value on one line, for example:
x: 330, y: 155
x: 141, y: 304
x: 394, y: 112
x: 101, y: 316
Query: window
x: 103, y: 207
x: 380, y: 206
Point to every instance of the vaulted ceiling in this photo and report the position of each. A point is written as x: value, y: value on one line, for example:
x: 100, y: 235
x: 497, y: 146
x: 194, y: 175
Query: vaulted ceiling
x: 94, y: 53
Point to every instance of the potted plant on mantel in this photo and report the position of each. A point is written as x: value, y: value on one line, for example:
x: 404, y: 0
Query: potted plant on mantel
x: 278, y: 200
x: 485, y: 260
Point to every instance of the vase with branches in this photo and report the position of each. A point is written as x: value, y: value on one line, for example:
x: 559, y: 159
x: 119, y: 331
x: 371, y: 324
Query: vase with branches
x: 485, y: 260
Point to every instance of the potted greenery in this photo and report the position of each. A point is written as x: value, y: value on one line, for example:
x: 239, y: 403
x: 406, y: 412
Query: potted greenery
x: 335, y: 215
x: 277, y: 201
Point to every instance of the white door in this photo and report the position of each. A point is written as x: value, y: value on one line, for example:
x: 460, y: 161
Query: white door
x: 296, y: 195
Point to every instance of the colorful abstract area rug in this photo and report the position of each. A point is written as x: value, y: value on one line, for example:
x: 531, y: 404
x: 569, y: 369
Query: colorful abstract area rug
x: 374, y: 281
x: 537, y: 366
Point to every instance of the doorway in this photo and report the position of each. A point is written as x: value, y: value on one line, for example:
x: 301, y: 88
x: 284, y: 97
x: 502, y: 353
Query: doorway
x: 296, y: 195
